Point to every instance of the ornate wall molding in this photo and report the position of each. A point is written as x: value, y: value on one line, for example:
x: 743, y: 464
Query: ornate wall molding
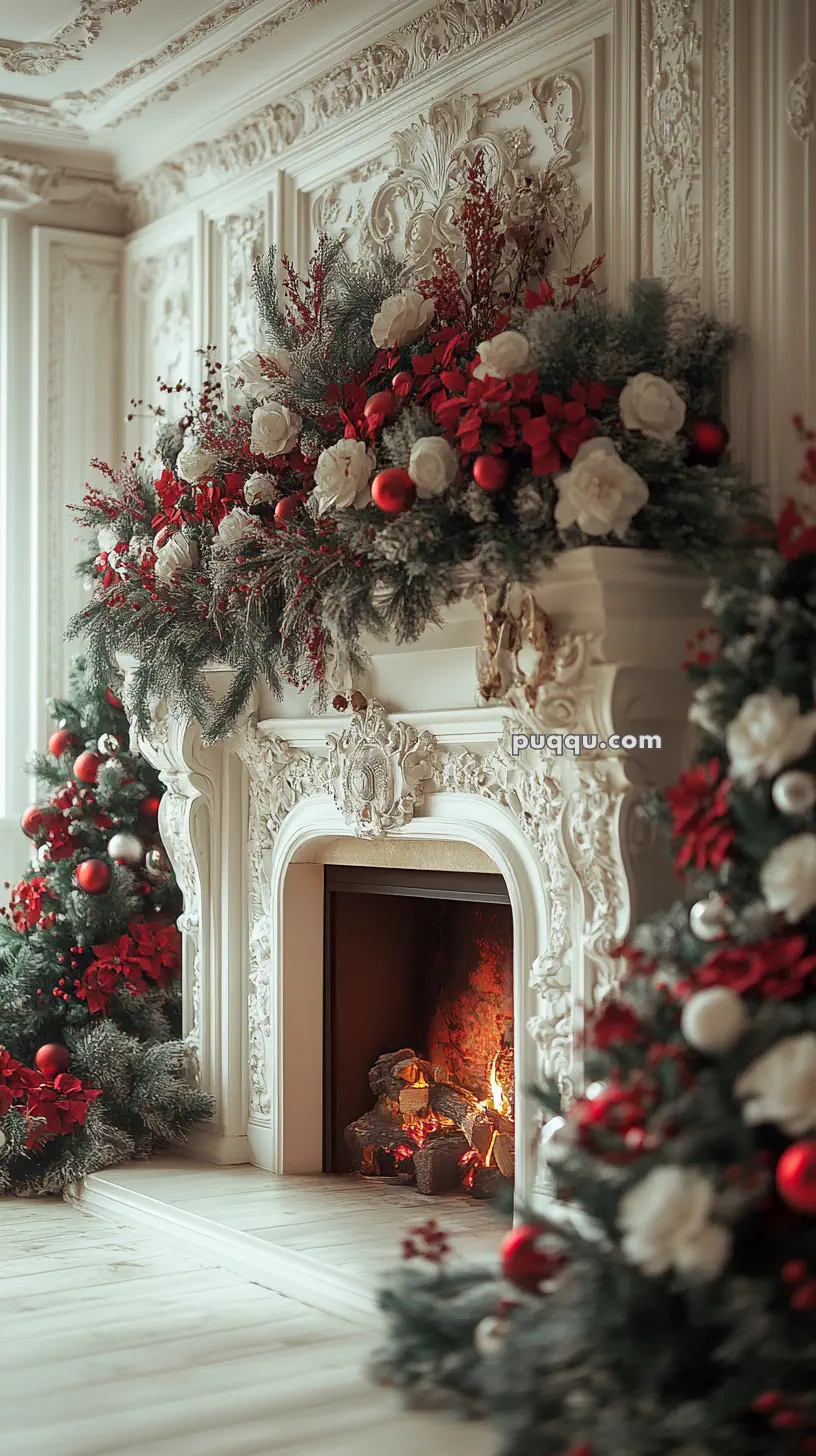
x: 801, y: 101
x: 42, y: 58
x: 378, y: 771
x: 672, y: 143
x: 453, y: 26
x: 242, y: 237
x: 25, y: 184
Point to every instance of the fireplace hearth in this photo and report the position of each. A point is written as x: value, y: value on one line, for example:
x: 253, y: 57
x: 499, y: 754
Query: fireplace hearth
x: 422, y: 962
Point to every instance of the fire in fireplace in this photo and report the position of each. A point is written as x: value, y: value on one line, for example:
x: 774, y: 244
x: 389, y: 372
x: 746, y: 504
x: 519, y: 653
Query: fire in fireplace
x: 419, y: 1023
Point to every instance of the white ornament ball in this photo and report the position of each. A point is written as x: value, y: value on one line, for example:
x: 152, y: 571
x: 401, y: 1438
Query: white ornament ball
x: 126, y: 849
x: 794, y: 792
x: 155, y: 865
x: 489, y: 1335
x: 44, y: 854
x: 108, y: 744
x: 715, y: 1019
x: 707, y: 918
x: 3, y: 1141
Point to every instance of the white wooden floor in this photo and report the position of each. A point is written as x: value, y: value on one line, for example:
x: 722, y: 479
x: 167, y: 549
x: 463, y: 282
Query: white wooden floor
x: 117, y: 1344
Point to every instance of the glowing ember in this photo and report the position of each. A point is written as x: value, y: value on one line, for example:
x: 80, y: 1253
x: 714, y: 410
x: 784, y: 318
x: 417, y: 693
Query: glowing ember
x: 420, y: 1129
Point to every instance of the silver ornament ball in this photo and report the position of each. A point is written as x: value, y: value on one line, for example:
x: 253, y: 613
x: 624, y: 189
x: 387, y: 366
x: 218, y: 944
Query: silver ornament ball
x: 489, y: 1335
x: 108, y: 744
x: 155, y: 864
x: 714, y: 1019
x: 126, y: 849
x: 44, y: 854
x: 707, y: 918
x: 794, y: 792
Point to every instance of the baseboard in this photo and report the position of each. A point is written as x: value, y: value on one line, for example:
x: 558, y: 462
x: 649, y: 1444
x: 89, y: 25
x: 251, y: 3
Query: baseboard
x: 285, y: 1271
x: 211, y: 1147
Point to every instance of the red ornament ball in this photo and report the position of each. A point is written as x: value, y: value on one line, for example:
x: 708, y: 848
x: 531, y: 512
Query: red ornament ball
x: 709, y: 441
x: 86, y: 767
x: 796, y: 1176
x: 93, y: 876
x: 112, y: 700
x: 402, y: 383
x: 287, y: 507
x: 380, y: 404
x: 339, y: 703
x: 523, y: 1263
x: 52, y: 1059
x: 60, y: 742
x: 31, y: 821
x: 149, y: 807
x: 491, y: 472
x: 393, y: 491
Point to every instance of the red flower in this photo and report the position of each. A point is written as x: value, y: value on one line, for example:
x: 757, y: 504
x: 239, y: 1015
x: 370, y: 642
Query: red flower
x: 542, y: 297
x: 616, y: 1022
x: 796, y: 536
x: 699, y: 806
x: 159, y: 949
x: 117, y: 964
x: 62, y: 1104
x: 15, y: 1080
x: 27, y: 902
x: 777, y: 968
x: 61, y: 843
x: 538, y: 434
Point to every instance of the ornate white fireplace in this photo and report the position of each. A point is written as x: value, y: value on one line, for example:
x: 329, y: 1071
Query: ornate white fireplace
x: 425, y: 776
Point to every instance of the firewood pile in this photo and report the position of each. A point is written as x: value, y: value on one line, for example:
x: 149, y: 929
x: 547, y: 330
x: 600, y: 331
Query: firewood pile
x: 429, y: 1131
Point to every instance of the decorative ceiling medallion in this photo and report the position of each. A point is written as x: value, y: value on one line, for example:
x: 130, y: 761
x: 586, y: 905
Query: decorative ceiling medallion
x: 42, y: 58
x: 800, y: 101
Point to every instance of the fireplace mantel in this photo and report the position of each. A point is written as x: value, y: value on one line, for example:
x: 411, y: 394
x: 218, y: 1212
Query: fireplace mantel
x: 248, y: 823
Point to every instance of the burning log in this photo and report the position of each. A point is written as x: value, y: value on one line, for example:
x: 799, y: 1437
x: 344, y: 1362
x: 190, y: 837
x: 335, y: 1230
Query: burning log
x: 438, y: 1163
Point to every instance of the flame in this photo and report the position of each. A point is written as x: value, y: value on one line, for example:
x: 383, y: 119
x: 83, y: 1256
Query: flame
x: 498, y: 1099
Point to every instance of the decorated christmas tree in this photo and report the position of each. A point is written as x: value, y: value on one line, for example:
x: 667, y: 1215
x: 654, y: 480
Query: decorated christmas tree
x: 667, y: 1304
x: 90, y: 964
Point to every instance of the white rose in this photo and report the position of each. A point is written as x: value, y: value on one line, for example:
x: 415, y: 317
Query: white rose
x: 341, y: 476
x: 788, y: 877
x: 433, y: 466
x: 275, y: 429
x: 194, y: 462
x: 177, y: 554
x: 653, y: 406
x: 237, y: 526
x: 768, y: 732
x: 256, y: 384
x: 600, y: 493
x: 780, y: 1086
x: 502, y: 357
x: 666, y: 1224
x: 259, y: 489
x: 402, y: 319
x: 700, y: 713
x: 108, y: 538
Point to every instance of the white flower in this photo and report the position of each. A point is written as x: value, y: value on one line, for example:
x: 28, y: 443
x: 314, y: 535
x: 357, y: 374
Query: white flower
x: 402, y: 319
x: 788, y: 877
x: 433, y: 466
x: 666, y: 1224
x: 194, y: 462
x: 768, y: 732
x: 177, y: 554
x: 108, y: 538
x: 780, y: 1086
x: 341, y: 476
x: 502, y: 357
x: 600, y: 493
x: 653, y: 406
x: 256, y: 384
x: 159, y: 467
x: 275, y: 429
x: 259, y: 489
x: 700, y: 713
x: 237, y: 526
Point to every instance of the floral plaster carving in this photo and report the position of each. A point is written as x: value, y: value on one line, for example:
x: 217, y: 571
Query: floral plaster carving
x: 40, y: 58
x: 378, y: 771
x: 243, y: 238
x: 672, y: 142
x: 800, y: 101
x: 452, y: 26
x: 24, y: 184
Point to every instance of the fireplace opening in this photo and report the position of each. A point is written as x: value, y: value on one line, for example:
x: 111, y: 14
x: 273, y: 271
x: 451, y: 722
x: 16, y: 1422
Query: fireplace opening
x: 418, y: 1030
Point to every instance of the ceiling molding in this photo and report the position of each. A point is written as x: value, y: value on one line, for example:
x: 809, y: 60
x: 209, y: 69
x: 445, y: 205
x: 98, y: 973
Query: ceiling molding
x: 42, y: 58
x: 25, y: 184
x: 369, y: 75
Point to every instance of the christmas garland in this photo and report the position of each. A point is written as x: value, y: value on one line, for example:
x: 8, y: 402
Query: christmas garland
x: 399, y: 448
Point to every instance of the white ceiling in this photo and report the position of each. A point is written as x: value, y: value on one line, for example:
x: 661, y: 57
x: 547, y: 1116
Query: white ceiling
x: 139, y: 79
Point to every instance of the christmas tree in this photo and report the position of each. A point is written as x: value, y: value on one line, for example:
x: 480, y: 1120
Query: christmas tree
x: 666, y: 1306
x: 90, y: 963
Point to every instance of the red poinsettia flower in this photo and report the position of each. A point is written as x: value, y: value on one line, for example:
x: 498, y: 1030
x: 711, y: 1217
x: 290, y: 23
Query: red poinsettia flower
x: 538, y: 434
x: 159, y: 949
x: 16, y: 1081
x: 777, y: 968
x: 58, y: 837
x: 699, y: 807
x: 62, y: 1104
x: 119, y: 964
x: 614, y: 1023
x: 30, y: 900
x: 795, y: 535
x: 541, y: 297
